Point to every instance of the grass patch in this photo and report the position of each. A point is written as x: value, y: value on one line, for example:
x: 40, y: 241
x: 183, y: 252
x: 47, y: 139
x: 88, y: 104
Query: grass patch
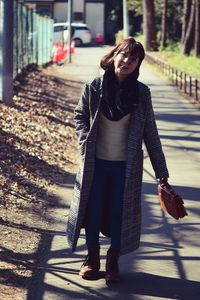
x: 188, y: 64
x: 139, y: 38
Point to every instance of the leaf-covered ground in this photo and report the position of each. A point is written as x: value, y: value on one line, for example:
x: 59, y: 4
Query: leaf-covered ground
x: 38, y: 150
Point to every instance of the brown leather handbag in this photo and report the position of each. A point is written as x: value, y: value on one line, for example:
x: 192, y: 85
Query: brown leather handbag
x: 171, y: 202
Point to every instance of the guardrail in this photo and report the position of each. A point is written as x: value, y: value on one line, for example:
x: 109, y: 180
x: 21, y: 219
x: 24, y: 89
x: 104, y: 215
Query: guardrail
x: 185, y: 82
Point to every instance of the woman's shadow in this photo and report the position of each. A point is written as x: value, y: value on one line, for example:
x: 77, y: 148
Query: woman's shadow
x: 136, y: 285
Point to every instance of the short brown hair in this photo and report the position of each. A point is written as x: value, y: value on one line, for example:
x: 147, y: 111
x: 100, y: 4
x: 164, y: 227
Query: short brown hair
x: 134, y: 48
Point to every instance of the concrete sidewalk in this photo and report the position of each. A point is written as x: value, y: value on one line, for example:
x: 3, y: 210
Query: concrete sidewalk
x: 166, y: 266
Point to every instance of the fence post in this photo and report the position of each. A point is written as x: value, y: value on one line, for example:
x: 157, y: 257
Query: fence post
x: 190, y: 86
x: 6, y: 51
x: 181, y: 74
x: 15, y: 39
x: 35, y: 37
x: 20, y: 38
x: 185, y: 83
x: 176, y: 77
x: 196, y: 90
x: 173, y: 75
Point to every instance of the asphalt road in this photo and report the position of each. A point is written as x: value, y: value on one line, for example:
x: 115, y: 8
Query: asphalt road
x: 167, y: 264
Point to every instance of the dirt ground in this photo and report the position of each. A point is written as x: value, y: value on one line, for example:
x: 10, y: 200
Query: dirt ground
x: 38, y: 150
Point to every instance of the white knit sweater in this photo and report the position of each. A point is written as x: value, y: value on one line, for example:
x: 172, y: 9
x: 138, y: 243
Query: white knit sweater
x: 112, y: 138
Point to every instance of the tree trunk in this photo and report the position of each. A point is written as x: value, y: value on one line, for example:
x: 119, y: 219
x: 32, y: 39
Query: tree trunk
x: 149, y: 25
x: 189, y: 36
x: 186, y: 15
x: 164, y: 25
x: 197, y: 29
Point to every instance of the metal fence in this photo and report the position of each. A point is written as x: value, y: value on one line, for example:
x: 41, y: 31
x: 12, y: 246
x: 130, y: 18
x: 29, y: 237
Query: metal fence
x: 185, y: 82
x: 33, y: 38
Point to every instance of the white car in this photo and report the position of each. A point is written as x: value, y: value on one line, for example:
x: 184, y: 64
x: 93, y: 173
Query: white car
x: 81, y: 34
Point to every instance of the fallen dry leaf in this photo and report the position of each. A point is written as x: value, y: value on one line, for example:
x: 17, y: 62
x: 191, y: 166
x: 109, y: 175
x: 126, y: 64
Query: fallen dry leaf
x: 38, y: 149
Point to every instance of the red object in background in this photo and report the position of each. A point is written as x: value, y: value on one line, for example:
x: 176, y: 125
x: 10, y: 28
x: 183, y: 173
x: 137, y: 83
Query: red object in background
x: 73, y: 46
x: 59, y: 52
x: 99, y: 38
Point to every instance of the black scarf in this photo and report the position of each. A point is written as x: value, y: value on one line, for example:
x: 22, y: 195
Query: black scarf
x: 119, y: 99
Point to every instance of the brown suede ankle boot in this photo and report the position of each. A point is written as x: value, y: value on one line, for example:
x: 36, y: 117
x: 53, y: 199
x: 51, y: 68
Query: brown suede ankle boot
x: 89, y: 269
x: 112, y: 268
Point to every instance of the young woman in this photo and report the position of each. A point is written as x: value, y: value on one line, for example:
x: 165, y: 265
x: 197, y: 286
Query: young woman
x: 112, y: 119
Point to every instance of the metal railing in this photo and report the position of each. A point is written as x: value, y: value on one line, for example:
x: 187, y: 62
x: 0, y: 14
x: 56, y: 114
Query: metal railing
x: 33, y: 38
x: 185, y: 82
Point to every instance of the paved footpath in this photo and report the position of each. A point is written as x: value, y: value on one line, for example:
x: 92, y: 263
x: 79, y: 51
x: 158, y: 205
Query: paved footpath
x: 167, y: 264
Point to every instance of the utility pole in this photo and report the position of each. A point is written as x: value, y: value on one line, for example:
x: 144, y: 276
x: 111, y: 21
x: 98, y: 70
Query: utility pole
x: 125, y: 20
x: 6, y: 51
x: 69, y: 10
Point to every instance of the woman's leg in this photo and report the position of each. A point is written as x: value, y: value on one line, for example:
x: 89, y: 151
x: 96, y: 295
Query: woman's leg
x: 95, y: 207
x: 117, y: 195
x: 91, y: 265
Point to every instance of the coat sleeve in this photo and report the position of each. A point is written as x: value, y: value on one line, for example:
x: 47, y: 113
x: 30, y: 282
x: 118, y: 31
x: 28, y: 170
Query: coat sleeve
x: 153, y: 143
x: 82, y: 118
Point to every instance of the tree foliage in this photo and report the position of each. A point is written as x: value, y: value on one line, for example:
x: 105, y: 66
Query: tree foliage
x: 136, y: 6
x: 171, y: 20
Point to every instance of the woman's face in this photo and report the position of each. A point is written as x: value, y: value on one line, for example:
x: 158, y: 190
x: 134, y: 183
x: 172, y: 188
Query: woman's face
x: 124, y: 64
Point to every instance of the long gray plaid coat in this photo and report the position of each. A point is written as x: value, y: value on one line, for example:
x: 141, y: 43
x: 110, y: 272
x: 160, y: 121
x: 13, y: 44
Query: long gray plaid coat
x: 142, y: 127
